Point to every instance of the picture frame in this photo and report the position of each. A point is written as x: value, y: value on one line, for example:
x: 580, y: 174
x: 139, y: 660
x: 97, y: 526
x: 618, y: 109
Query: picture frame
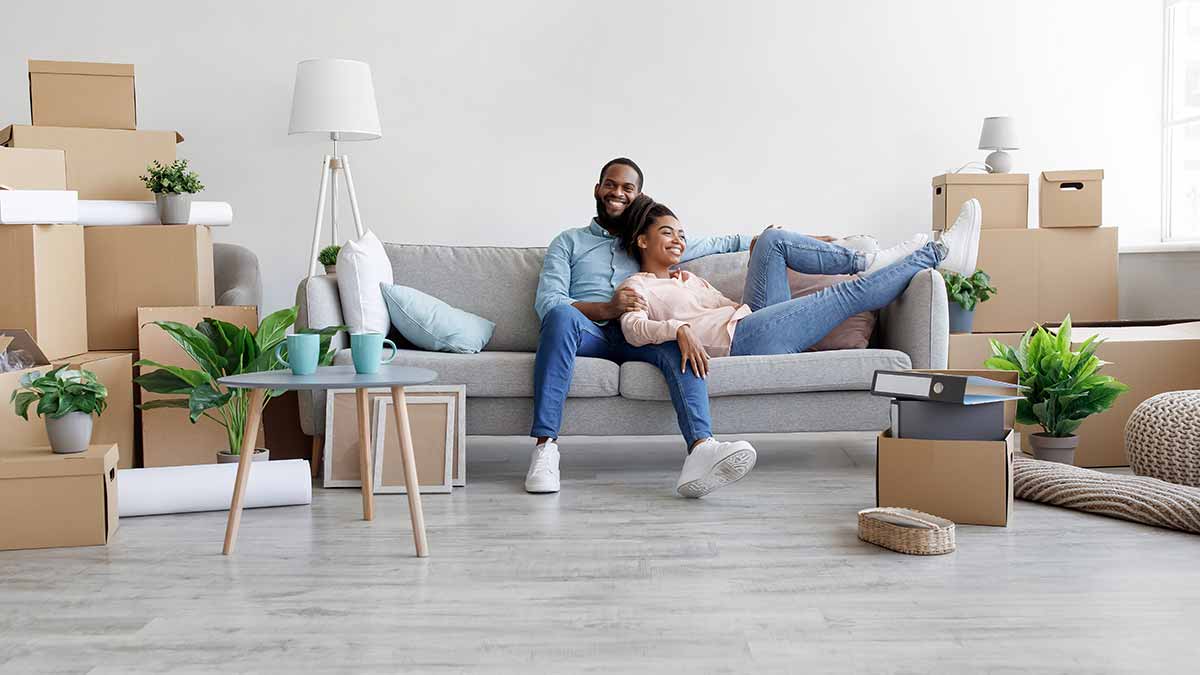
x: 459, y: 392
x: 431, y: 425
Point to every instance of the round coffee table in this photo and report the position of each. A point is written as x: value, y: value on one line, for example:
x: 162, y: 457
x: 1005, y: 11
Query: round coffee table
x: 335, y: 377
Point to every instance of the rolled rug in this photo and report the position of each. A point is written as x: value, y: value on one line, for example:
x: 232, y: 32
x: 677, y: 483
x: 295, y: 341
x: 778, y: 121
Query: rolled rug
x: 97, y: 212
x: 209, y: 487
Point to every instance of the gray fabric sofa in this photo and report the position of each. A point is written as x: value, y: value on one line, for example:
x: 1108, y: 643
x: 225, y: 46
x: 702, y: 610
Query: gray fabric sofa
x: 814, y: 391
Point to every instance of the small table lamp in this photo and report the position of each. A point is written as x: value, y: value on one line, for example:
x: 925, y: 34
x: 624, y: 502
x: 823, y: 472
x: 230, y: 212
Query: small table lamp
x: 998, y: 134
x: 335, y: 97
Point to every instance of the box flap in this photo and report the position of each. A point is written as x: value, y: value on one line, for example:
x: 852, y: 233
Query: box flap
x: 81, y: 68
x: 7, y: 132
x: 981, y: 179
x: 1073, y: 176
x: 18, y: 340
x: 42, y: 463
x: 6, y: 135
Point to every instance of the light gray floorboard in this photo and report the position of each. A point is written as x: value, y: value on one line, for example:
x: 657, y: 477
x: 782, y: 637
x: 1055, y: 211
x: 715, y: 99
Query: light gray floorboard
x: 615, y: 574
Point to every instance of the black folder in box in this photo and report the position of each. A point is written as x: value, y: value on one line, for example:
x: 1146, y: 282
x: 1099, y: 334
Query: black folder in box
x: 948, y: 421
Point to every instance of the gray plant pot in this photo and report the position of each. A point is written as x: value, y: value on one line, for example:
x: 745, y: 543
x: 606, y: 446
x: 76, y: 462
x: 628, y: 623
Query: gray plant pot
x: 174, y: 209
x: 961, y: 320
x: 1053, y: 448
x: 260, y: 455
x: 70, y: 433
x: 330, y: 269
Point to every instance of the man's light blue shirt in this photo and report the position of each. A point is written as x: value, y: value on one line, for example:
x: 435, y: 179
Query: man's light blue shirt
x: 586, y: 264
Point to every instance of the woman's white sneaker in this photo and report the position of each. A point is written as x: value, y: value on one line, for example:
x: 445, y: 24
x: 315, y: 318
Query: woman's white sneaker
x: 962, y: 239
x: 712, y: 465
x: 542, y: 476
x: 894, y: 254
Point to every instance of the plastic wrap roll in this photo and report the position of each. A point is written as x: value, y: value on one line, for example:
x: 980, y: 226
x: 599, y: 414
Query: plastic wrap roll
x: 95, y: 212
x: 209, y: 487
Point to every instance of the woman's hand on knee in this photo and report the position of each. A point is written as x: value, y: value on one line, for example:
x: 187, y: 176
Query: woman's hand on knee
x: 692, y: 351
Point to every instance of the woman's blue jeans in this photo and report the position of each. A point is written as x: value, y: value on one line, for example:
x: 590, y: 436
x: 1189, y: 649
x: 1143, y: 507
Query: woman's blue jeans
x: 780, y: 324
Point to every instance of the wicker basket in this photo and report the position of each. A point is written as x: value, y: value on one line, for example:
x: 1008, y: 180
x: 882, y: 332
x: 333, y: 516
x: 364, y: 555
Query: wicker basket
x: 906, y: 531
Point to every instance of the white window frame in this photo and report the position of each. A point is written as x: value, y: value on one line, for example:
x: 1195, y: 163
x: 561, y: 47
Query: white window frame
x: 1169, y: 124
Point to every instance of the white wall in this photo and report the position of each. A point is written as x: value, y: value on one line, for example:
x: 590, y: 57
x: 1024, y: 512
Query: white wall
x: 829, y: 116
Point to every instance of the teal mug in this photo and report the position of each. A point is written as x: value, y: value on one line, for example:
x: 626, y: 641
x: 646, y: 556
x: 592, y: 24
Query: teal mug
x: 303, y: 353
x: 366, y: 349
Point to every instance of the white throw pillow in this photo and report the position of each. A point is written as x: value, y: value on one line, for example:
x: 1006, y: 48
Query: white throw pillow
x: 361, y: 266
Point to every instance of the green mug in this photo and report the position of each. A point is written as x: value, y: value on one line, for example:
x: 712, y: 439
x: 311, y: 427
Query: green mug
x: 303, y: 353
x: 366, y: 349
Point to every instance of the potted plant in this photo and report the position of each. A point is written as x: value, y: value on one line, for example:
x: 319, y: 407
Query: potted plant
x: 1064, y: 387
x: 173, y: 186
x: 221, y: 348
x: 66, y: 399
x: 328, y: 258
x: 964, y: 294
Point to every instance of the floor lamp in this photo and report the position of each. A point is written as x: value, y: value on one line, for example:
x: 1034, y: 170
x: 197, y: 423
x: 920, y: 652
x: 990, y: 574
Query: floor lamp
x: 335, y: 97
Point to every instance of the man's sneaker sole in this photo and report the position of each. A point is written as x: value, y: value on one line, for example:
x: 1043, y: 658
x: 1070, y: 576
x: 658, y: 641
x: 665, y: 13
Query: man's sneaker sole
x: 729, y: 470
x: 540, y: 489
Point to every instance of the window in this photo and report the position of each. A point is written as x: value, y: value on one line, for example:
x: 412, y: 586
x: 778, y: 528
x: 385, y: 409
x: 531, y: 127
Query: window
x: 1181, y: 121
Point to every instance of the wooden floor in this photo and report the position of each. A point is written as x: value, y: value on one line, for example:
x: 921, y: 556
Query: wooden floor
x: 615, y: 574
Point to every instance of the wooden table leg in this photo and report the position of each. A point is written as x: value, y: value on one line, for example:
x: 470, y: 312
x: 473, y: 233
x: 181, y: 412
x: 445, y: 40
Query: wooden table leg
x: 317, y: 456
x: 249, y: 436
x: 364, y: 455
x: 411, y: 485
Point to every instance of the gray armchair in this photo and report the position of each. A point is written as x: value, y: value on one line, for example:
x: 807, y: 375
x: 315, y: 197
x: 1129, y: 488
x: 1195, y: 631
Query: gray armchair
x: 236, y: 276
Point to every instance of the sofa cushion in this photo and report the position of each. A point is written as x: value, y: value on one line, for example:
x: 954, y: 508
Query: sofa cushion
x: 429, y: 323
x: 362, y: 266
x: 853, y: 333
x: 495, y: 282
x: 847, y: 370
x: 503, y: 374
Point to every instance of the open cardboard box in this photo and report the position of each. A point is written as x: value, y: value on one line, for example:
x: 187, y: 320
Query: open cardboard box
x: 968, y: 482
x: 113, y: 369
x: 1151, y: 359
x: 58, y: 500
x: 82, y: 94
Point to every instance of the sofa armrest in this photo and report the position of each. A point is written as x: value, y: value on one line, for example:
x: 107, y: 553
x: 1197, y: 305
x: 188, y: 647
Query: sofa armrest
x: 318, y: 305
x: 917, y: 323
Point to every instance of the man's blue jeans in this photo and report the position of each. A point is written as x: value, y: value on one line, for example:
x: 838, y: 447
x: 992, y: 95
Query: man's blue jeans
x: 567, y: 333
x: 780, y: 324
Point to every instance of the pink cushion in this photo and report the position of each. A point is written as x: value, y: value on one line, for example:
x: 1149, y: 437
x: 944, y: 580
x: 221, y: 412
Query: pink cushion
x: 853, y: 333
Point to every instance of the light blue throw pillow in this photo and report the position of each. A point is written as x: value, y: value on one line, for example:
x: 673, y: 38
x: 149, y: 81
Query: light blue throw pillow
x: 434, y: 325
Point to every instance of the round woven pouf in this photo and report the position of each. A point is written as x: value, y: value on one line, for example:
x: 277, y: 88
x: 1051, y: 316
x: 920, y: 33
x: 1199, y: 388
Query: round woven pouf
x: 1162, y: 437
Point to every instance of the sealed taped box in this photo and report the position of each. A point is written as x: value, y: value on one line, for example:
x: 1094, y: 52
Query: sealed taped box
x: 43, y: 286
x: 82, y: 94
x: 55, y: 500
x: 101, y: 163
x: 1004, y: 198
x: 1070, y: 198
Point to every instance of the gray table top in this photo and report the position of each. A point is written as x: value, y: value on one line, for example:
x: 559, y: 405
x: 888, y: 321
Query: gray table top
x: 330, y: 377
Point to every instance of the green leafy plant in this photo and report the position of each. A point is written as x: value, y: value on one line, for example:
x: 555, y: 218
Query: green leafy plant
x: 328, y: 255
x: 221, y: 349
x: 59, y: 392
x: 173, y: 178
x: 1064, y: 387
x: 967, y: 291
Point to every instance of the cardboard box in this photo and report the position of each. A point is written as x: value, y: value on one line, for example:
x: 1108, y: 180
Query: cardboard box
x: 143, y: 266
x: 168, y: 438
x: 1042, y: 275
x: 58, y: 500
x: 968, y: 482
x: 1003, y: 196
x: 80, y: 94
x: 33, y: 169
x: 101, y: 163
x: 42, y: 286
x: 1070, y: 198
x: 115, y: 426
x: 1150, y: 359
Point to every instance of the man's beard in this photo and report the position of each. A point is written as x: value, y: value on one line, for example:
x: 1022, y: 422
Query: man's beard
x: 611, y: 223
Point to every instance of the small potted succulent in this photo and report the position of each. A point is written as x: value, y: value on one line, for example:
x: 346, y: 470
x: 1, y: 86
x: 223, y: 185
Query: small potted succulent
x: 173, y: 186
x: 964, y: 294
x: 328, y: 258
x: 1064, y: 387
x: 67, y: 399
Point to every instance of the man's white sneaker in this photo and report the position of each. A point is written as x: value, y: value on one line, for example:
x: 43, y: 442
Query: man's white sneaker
x: 962, y: 240
x: 894, y: 254
x: 863, y: 243
x: 543, y: 469
x: 713, y: 464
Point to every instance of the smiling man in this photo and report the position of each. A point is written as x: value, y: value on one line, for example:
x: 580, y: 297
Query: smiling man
x: 579, y: 310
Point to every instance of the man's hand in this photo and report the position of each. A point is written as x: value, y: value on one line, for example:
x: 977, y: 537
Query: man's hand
x: 626, y: 300
x: 693, y: 351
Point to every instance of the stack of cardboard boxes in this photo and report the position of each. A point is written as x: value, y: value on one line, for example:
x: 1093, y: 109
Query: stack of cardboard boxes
x: 76, y: 290
x: 1067, y: 265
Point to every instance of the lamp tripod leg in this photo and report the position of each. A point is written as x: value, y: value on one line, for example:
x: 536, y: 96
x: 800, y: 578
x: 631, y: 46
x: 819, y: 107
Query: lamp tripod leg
x: 316, y: 242
x: 358, y: 224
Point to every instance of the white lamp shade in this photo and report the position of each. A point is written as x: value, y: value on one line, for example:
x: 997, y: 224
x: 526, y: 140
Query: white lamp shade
x: 999, y: 133
x: 336, y: 97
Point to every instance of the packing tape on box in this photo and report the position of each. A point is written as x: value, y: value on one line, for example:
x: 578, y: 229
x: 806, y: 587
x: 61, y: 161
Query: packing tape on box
x: 209, y: 487
x: 98, y: 212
